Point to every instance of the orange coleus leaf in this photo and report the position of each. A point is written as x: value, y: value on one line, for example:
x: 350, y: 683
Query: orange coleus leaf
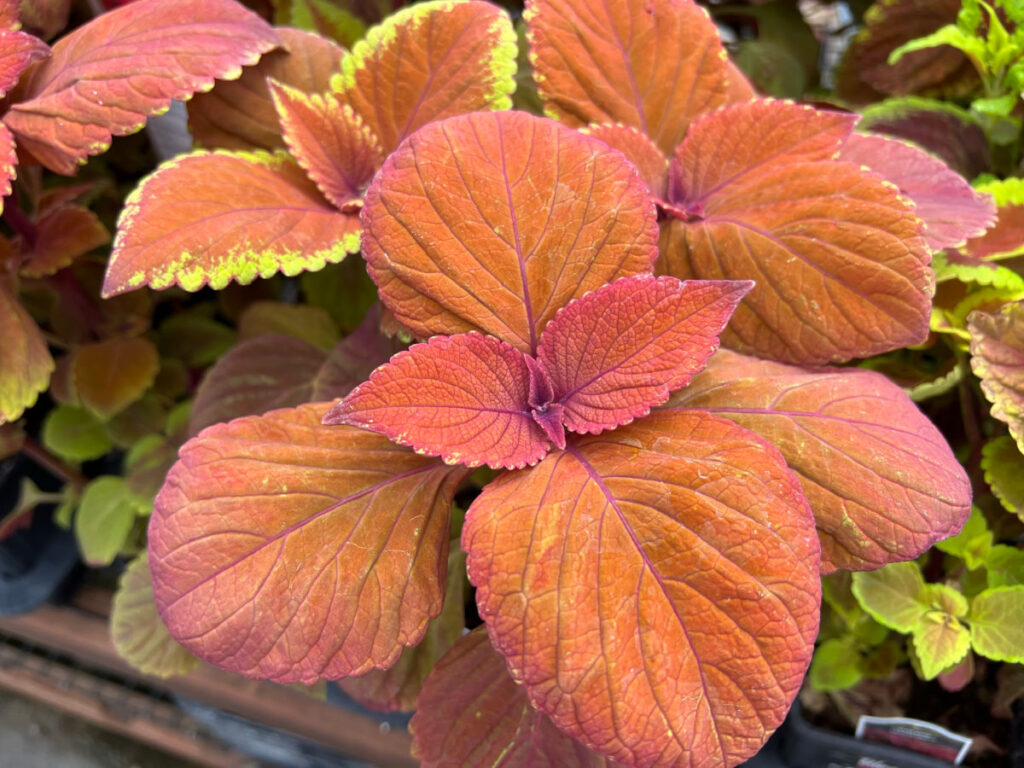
x: 18, y: 50
x: 287, y: 550
x: 654, y: 65
x: 997, y: 357
x: 330, y: 141
x: 427, y: 62
x: 112, y: 374
x: 1005, y: 238
x: 614, y: 353
x: 109, y: 75
x: 240, y: 114
x: 210, y: 218
x: 840, y: 266
x: 650, y: 161
x: 465, y: 398
x: 950, y: 209
x: 25, y: 361
x: 654, y: 588
x: 471, y: 712
x: 880, y: 478
x: 492, y: 222
x: 62, y: 235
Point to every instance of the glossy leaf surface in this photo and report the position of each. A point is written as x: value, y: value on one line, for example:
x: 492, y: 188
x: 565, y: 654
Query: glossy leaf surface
x: 428, y: 62
x: 25, y: 361
x: 880, y: 478
x: 654, y: 65
x: 240, y: 114
x: 287, y: 550
x: 110, y: 375
x: 656, y: 588
x: 137, y: 631
x: 108, y: 76
x: 492, y: 222
x: 472, y: 713
x: 997, y: 357
x: 465, y: 398
x: 950, y: 209
x: 330, y: 141
x: 615, y: 353
x: 841, y: 270
x: 213, y: 218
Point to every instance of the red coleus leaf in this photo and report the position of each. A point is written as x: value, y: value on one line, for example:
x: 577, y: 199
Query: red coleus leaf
x: 62, y: 235
x: 840, y: 266
x: 240, y: 114
x: 1006, y: 237
x: 427, y: 62
x: 620, y: 350
x: 330, y: 141
x: 210, y: 218
x: 8, y: 163
x: 25, y: 361
x: 604, y: 360
x: 109, y: 75
x: 287, y: 550
x: 18, y: 50
x: 880, y: 478
x: 997, y: 357
x: 471, y: 712
x: 655, y: 588
x: 465, y: 398
x: 654, y: 65
x: 950, y: 209
x: 492, y: 222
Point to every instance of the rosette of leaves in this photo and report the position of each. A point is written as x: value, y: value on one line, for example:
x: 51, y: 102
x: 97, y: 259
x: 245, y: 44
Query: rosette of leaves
x: 627, y: 562
x: 64, y: 104
x: 212, y: 217
x: 771, y: 191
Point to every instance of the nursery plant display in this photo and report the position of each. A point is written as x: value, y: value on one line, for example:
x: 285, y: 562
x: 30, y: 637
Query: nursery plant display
x: 432, y: 388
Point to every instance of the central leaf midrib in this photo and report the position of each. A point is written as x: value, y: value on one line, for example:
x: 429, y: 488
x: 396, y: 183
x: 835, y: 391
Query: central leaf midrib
x: 515, y: 242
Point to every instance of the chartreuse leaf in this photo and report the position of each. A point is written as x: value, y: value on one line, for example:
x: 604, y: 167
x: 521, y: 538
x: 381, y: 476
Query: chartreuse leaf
x: 427, y: 62
x: 330, y: 141
x: 841, y: 269
x: 75, y: 434
x: 139, y: 635
x: 109, y: 75
x: 973, y: 543
x: 1003, y: 465
x: 947, y: 205
x: 240, y: 114
x: 466, y: 398
x: 652, y: 65
x: 213, y: 218
x: 25, y: 361
x: 287, y: 550
x: 603, y: 575
x: 1004, y: 566
x: 892, y: 595
x: 997, y: 357
x: 398, y: 687
x: 111, y: 375
x: 997, y: 623
x: 951, y: 265
x: 835, y: 665
x: 471, y: 712
x: 615, y: 353
x: 880, y: 478
x: 940, y: 642
x: 104, y: 519
x: 550, y: 214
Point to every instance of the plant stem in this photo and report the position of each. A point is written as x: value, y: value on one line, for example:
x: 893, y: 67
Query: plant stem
x: 53, y: 465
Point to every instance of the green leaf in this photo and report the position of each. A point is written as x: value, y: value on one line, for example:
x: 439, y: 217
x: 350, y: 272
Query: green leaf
x: 972, y: 544
x: 1005, y: 191
x: 940, y: 642
x: 987, y: 274
x: 195, y: 340
x: 75, y: 434
x: 312, y: 324
x: 1004, y: 566
x: 890, y: 595
x: 344, y: 290
x: 1003, y: 465
x: 834, y: 666
x: 949, y: 35
x: 997, y: 623
x: 997, y: 106
x: 104, y: 519
x: 326, y: 18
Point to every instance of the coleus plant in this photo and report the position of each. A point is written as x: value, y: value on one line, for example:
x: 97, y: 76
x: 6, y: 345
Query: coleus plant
x: 650, y: 578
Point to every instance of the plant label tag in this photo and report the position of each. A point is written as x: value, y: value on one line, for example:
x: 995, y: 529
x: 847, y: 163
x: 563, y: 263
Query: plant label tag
x: 914, y: 735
